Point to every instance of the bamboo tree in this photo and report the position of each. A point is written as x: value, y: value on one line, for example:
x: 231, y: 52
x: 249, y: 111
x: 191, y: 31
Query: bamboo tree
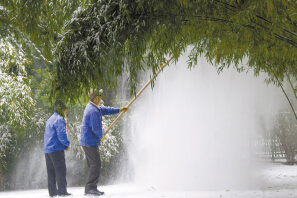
x: 95, y: 41
x: 107, y: 37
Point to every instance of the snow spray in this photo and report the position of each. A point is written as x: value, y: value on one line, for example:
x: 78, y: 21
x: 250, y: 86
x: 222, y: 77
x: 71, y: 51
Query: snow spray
x: 195, y: 130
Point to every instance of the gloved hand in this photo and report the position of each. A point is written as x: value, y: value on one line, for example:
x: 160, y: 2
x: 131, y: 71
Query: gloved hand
x: 124, y: 109
x: 103, y: 138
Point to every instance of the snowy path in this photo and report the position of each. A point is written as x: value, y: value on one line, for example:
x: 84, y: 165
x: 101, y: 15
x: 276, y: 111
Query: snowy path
x: 280, y: 182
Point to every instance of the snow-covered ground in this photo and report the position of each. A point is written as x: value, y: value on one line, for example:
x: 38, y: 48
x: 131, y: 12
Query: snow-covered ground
x: 280, y: 181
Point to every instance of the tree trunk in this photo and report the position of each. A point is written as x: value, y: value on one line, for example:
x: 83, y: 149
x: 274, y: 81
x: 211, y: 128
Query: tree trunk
x: 1, y: 176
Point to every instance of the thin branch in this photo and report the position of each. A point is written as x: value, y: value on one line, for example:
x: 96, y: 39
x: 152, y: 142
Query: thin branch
x: 280, y: 84
x: 282, y: 38
x: 228, y: 7
x: 288, y: 77
x: 24, y: 37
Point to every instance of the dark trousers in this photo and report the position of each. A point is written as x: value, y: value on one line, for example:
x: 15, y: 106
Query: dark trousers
x: 94, y: 164
x: 56, y: 173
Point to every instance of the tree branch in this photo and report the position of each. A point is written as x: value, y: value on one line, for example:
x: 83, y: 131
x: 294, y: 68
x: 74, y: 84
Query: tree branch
x: 280, y: 84
x: 288, y: 77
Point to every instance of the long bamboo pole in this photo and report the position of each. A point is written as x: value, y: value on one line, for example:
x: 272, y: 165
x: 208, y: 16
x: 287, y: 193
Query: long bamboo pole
x: 143, y: 88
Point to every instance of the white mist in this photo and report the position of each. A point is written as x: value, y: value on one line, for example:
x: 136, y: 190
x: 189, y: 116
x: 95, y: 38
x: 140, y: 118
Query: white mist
x: 195, y: 129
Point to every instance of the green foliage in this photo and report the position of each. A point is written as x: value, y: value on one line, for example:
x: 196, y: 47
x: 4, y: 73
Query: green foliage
x: 108, y: 37
x: 36, y: 24
x: 16, y: 102
x: 41, y: 87
x: 21, y: 122
x: 94, y: 42
x: 12, y: 60
x: 105, y: 37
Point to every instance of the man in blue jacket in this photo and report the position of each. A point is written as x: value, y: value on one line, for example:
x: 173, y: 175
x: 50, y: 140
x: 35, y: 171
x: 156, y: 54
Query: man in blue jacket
x: 55, y: 142
x: 91, y: 135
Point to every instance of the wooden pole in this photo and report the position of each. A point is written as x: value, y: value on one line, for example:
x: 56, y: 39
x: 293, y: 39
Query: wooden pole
x: 143, y: 88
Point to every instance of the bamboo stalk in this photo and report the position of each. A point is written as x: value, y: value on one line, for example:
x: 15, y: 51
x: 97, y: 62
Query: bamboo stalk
x: 143, y: 88
x: 280, y: 84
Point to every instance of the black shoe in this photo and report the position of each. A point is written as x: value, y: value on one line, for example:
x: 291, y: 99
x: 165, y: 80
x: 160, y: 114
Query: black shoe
x: 93, y: 192
x: 102, y: 193
x: 65, y: 194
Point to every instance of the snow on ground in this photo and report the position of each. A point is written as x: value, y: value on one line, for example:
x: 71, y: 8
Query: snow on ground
x: 280, y: 182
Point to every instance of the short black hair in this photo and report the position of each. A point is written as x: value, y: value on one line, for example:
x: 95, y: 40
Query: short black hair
x: 60, y: 106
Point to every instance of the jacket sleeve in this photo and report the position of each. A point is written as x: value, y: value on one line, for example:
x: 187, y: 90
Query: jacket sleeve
x: 61, y: 132
x: 95, y: 124
x: 109, y: 110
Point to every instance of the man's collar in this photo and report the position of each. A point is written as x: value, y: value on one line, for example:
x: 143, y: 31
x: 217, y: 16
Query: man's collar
x: 95, y: 105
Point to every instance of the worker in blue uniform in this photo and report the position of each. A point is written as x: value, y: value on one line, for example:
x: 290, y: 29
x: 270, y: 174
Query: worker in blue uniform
x: 91, y: 136
x: 55, y: 142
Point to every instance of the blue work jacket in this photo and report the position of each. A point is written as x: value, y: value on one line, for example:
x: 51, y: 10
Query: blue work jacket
x: 55, y: 136
x: 91, y: 126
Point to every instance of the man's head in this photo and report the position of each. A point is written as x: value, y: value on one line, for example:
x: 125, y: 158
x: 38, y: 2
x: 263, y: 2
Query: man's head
x: 60, y: 107
x: 95, y: 96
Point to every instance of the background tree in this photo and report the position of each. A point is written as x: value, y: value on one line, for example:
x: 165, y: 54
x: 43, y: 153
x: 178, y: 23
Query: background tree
x: 16, y: 102
x: 285, y: 130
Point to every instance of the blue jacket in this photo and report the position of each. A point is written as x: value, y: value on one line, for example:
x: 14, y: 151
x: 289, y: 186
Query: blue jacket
x: 55, y: 136
x: 91, y: 126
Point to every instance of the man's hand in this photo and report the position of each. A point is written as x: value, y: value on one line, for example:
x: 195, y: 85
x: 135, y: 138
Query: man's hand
x: 124, y: 109
x: 103, y: 138
x: 68, y: 148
